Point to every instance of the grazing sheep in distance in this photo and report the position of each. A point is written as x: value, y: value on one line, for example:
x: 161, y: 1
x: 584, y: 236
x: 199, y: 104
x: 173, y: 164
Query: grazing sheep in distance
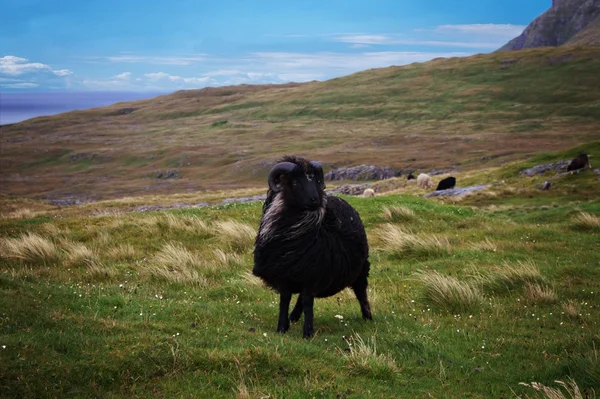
x: 446, y: 184
x: 309, y: 243
x: 369, y: 192
x: 424, y: 181
x: 579, y: 162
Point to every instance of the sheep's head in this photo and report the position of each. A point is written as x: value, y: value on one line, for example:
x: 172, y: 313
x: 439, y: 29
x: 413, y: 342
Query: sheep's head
x: 299, y: 181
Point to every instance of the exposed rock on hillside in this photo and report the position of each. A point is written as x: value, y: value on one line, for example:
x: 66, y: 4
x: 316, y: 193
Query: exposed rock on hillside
x: 566, y: 22
x: 549, y: 167
x: 362, y: 172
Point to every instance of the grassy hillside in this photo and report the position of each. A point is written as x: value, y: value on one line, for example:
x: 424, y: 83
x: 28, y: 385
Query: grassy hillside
x: 468, y: 301
x: 464, y: 113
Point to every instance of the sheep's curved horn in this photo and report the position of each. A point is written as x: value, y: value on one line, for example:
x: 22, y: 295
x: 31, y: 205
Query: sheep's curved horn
x: 278, y: 170
x: 319, y: 169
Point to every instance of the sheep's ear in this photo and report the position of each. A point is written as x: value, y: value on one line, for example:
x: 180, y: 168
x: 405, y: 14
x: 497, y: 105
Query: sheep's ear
x: 281, y: 168
x: 319, y: 173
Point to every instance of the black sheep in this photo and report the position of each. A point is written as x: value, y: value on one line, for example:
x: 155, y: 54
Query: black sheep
x: 309, y: 243
x: 579, y: 162
x: 446, y: 184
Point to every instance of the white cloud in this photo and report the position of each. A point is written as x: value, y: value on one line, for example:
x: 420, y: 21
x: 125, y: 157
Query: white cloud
x: 24, y: 85
x: 364, y: 39
x: 174, y: 60
x: 345, y: 62
x: 62, y: 72
x: 16, y: 66
x: 482, y: 36
x: 178, y: 79
x: 503, y: 30
x: 123, y: 76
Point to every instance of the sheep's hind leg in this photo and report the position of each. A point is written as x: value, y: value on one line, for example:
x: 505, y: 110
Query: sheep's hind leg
x: 360, y: 290
x: 297, y: 311
x: 308, y: 301
x: 284, y: 306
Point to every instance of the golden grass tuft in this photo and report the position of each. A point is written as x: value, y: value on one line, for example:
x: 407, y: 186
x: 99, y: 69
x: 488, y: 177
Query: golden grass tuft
x: 227, y: 258
x: 240, y: 236
x: 397, y: 240
x: 539, y: 294
x: 53, y: 230
x: 587, y: 221
x: 449, y: 293
x: 251, y: 279
x: 566, y: 390
x: 398, y: 213
x: 31, y: 248
x: 571, y: 308
x: 24, y: 213
x: 122, y: 252
x: 170, y: 221
x: 362, y: 356
x: 486, y: 245
x: 511, y: 277
x: 78, y: 254
x: 176, y: 263
x: 97, y: 269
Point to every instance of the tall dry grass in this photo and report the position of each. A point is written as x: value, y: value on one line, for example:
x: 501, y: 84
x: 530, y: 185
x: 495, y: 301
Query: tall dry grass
x: 449, y: 293
x: 78, y: 254
x: 362, y: 356
x: 586, y: 221
x: 399, y: 241
x: 176, y: 263
x: 31, y: 248
x: 565, y: 390
x: 510, y: 277
x: 539, y: 294
x: 239, y: 236
x: 398, y: 213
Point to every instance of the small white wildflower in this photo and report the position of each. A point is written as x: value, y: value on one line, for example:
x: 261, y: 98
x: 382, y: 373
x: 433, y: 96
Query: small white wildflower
x: 120, y: 285
x: 325, y: 339
x: 339, y: 316
x: 264, y: 334
x: 4, y: 346
x: 482, y: 346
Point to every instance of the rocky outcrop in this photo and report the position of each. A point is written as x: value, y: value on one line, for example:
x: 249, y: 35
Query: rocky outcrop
x: 362, y: 172
x: 549, y: 167
x: 565, y: 21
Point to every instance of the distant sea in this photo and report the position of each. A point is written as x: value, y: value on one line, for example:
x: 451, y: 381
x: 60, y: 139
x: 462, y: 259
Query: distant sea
x: 17, y: 107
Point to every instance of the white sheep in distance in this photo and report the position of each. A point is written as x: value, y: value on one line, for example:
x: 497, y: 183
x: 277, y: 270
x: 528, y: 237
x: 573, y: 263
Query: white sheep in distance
x: 369, y: 192
x: 424, y: 181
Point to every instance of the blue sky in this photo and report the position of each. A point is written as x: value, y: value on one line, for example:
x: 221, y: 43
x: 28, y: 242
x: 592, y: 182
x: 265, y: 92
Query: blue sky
x: 127, y: 45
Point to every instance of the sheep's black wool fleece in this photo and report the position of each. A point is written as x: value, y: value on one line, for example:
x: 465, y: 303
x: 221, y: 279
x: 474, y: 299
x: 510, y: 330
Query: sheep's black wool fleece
x: 323, y: 258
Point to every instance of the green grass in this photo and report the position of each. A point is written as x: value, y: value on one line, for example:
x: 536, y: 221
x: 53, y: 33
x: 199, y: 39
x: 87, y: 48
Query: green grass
x: 161, y: 304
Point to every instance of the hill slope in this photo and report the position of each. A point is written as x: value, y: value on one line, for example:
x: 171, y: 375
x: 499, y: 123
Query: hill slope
x: 448, y: 113
x: 568, y: 22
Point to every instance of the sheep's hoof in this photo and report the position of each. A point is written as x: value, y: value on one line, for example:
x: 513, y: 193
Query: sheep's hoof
x: 294, y: 317
x: 283, y: 328
x: 308, y: 333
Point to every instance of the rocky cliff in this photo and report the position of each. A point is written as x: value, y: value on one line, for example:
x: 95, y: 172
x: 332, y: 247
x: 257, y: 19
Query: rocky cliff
x: 566, y: 22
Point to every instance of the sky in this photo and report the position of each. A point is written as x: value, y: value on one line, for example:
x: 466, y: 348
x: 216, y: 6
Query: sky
x: 162, y: 46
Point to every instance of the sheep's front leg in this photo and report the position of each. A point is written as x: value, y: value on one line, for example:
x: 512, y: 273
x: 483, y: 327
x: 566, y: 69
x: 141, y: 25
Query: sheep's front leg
x: 308, y: 301
x: 284, y: 306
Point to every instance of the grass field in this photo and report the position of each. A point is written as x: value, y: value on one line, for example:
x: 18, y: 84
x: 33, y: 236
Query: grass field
x: 471, y: 297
